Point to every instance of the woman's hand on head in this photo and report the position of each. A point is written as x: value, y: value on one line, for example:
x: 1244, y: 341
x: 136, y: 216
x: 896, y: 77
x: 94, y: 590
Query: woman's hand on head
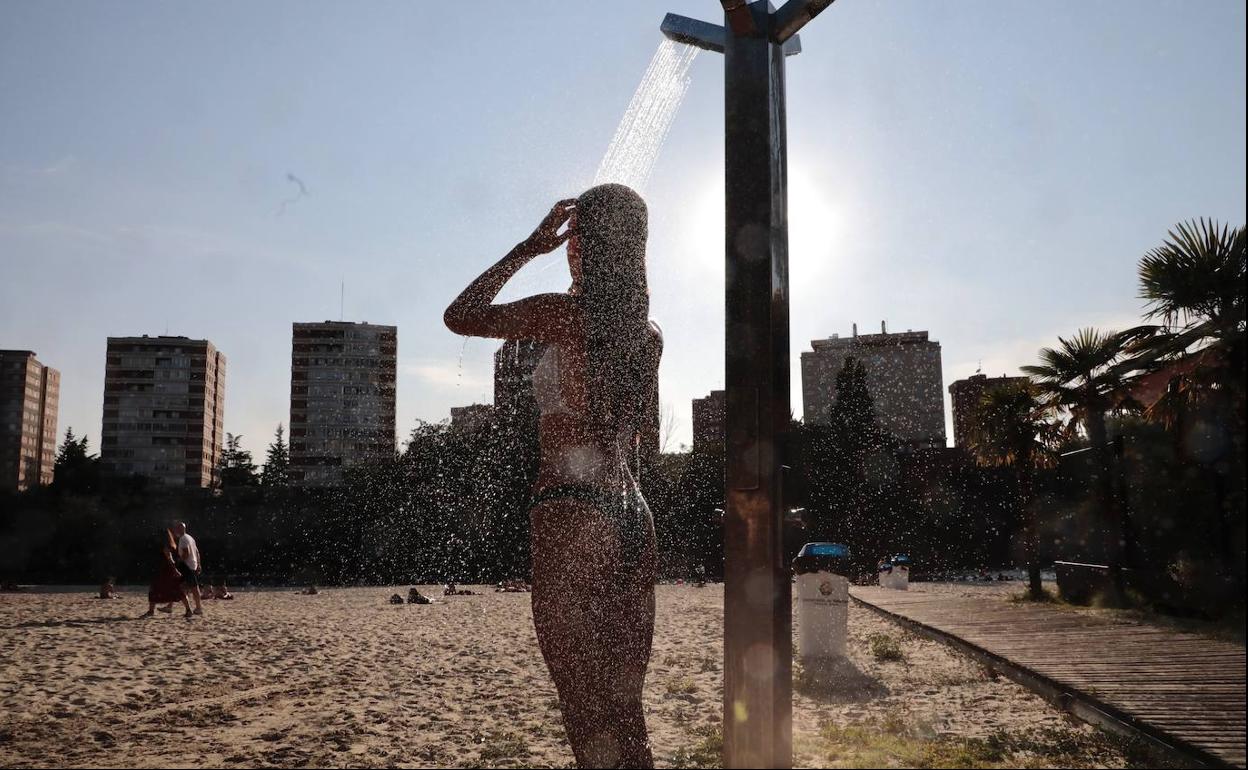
x: 546, y: 238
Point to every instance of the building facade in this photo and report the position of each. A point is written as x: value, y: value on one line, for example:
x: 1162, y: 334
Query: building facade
x: 709, y: 416
x: 514, y: 362
x: 29, y: 399
x: 903, y: 376
x: 164, y: 409
x: 342, y: 398
x: 965, y: 396
x: 472, y: 418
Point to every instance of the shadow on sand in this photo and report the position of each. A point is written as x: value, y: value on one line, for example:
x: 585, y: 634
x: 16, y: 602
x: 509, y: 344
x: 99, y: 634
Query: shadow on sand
x: 70, y: 622
x: 836, y: 680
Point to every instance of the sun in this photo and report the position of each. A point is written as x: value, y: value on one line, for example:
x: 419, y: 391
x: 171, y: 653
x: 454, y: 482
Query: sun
x: 816, y: 225
x: 816, y: 228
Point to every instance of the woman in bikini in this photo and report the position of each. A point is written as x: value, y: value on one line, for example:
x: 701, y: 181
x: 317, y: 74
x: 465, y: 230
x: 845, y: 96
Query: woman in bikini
x: 592, y: 534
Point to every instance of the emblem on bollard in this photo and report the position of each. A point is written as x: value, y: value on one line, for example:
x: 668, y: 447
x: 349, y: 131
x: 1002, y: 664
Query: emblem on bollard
x: 825, y: 587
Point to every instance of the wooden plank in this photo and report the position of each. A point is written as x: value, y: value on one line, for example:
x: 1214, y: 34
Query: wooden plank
x: 1172, y: 686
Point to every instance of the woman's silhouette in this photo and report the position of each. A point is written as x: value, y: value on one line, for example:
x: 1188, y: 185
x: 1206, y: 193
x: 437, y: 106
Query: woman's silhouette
x: 592, y: 534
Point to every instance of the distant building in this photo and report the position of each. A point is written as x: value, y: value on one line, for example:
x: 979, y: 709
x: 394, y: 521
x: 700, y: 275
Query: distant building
x: 903, y: 375
x: 709, y: 419
x: 342, y: 398
x: 473, y: 417
x: 514, y: 362
x: 164, y: 408
x: 965, y: 395
x: 29, y: 396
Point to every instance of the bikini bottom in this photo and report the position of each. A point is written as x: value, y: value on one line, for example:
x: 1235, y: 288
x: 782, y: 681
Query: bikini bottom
x: 627, y: 510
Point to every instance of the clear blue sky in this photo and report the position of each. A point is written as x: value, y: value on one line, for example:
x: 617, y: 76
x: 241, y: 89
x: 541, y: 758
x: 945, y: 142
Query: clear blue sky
x: 987, y: 170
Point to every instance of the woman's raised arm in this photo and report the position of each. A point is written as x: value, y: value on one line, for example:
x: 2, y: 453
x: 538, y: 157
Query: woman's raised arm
x: 540, y: 317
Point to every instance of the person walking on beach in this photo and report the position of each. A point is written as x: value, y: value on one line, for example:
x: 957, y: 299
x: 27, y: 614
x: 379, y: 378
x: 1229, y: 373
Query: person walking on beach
x: 593, y: 545
x: 188, y: 564
x: 167, y: 584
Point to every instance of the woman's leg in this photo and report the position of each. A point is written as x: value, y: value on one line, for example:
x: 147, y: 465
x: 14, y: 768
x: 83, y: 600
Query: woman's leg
x: 594, y: 615
x: 634, y: 608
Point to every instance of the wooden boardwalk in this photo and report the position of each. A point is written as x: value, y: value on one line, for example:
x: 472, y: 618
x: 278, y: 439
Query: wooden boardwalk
x: 1182, y: 691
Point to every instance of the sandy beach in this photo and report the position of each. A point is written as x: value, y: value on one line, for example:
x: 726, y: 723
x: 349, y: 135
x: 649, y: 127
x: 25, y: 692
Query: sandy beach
x: 274, y: 678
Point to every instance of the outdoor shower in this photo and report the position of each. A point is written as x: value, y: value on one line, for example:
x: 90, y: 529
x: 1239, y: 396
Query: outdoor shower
x: 758, y: 641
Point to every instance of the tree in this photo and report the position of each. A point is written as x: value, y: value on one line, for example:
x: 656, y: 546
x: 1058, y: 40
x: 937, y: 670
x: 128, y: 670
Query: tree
x: 276, y: 471
x: 1194, y: 286
x: 1013, y: 428
x: 835, y: 458
x: 1085, y: 375
x: 235, y: 468
x: 669, y: 423
x: 76, y: 468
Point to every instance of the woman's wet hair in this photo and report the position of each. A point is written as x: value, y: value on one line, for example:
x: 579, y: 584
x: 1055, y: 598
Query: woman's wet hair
x: 622, y: 353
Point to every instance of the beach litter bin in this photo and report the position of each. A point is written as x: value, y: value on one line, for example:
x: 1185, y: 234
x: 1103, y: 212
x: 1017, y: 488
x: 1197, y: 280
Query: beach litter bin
x: 885, y: 572
x: 822, y: 600
x: 899, y: 575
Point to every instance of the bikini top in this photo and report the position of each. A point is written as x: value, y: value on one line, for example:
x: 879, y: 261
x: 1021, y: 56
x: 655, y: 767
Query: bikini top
x: 548, y: 385
x: 548, y: 393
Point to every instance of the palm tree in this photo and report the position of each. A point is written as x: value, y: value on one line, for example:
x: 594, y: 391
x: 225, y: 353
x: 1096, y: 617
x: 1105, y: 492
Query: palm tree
x: 1013, y: 428
x: 1194, y: 286
x: 1086, y: 375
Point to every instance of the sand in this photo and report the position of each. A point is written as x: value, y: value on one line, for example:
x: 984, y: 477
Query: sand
x: 274, y: 678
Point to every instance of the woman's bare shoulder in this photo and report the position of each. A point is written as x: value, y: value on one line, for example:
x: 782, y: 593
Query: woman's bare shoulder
x: 656, y: 341
x: 656, y: 332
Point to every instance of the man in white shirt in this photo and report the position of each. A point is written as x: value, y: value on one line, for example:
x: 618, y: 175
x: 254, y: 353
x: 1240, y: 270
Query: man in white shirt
x: 188, y: 563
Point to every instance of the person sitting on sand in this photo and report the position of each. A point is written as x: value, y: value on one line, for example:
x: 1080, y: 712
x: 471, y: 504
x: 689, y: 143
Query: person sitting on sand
x: 416, y: 597
x: 396, y: 599
x: 221, y: 592
x: 107, y: 591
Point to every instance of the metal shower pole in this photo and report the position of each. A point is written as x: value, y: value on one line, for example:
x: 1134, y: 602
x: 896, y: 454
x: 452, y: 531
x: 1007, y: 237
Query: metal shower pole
x: 758, y: 641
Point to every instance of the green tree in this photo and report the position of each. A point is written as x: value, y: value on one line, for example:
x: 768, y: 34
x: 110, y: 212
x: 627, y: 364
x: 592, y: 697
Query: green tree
x: 1194, y: 284
x: 1086, y: 375
x: 276, y: 471
x: 835, y: 458
x: 76, y: 469
x: 1013, y: 428
x: 235, y: 468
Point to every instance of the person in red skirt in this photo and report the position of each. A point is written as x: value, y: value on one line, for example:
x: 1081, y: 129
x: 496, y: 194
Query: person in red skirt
x: 167, y: 585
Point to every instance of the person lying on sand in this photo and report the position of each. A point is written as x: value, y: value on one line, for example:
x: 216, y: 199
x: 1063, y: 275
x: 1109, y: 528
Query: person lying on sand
x: 416, y: 597
x: 451, y: 590
x: 310, y: 591
x: 513, y: 587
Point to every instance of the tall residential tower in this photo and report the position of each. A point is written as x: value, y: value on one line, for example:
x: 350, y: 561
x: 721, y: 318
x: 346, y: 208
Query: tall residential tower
x: 29, y: 394
x: 164, y: 409
x: 903, y: 376
x: 342, y: 398
x: 966, y: 395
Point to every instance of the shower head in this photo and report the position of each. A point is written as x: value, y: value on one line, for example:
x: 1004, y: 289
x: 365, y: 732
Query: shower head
x: 711, y: 37
x: 699, y: 34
